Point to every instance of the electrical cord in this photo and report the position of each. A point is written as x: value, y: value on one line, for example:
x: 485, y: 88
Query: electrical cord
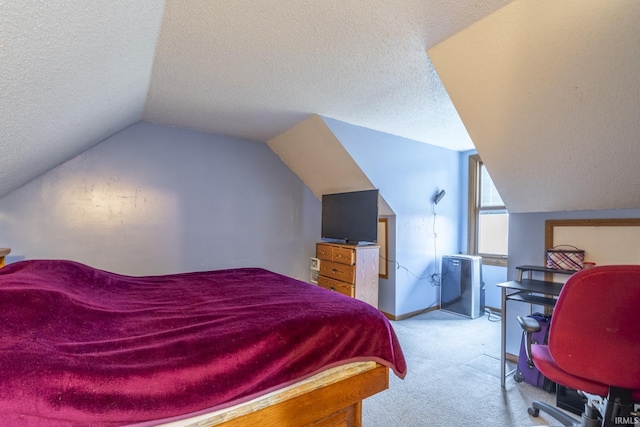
x: 489, y: 313
x: 402, y: 267
x: 435, y: 279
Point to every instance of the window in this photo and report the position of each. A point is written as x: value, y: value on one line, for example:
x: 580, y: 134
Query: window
x: 488, y: 217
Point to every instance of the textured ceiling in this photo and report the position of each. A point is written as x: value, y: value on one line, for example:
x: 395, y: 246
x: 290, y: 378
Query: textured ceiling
x: 254, y: 69
x: 72, y: 74
x: 75, y: 72
x: 550, y: 93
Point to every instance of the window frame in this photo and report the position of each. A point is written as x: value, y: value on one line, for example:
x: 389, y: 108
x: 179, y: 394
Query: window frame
x: 475, y: 163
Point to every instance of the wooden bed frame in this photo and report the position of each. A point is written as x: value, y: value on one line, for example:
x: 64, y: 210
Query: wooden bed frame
x: 330, y: 398
x: 3, y: 252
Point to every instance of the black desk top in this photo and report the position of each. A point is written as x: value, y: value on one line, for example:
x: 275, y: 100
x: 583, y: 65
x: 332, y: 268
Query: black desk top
x: 543, y: 269
x: 531, y: 285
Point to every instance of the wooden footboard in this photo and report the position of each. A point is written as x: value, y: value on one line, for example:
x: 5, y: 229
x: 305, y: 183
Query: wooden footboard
x: 3, y: 252
x: 332, y: 398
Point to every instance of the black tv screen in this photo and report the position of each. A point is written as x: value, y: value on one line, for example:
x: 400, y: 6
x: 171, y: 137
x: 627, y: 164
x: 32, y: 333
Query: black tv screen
x: 352, y: 217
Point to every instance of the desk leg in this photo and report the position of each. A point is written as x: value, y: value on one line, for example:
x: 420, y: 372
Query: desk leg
x: 503, y: 338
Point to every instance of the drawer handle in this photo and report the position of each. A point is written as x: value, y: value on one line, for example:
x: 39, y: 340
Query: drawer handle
x: 333, y: 289
x: 334, y: 271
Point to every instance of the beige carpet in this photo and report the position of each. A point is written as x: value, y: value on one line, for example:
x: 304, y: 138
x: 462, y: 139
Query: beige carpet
x: 453, y: 378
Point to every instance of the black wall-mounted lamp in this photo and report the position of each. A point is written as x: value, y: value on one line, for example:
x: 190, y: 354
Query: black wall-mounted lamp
x: 439, y: 196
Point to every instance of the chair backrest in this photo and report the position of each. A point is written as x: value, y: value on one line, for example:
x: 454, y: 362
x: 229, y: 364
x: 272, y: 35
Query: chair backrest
x: 595, y: 326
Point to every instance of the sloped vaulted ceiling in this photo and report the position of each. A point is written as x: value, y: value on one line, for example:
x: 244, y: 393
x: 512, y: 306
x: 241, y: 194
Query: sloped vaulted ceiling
x: 254, y: 69
x: 548, y: 90
x: 550, y: 94
x: 74, y: 72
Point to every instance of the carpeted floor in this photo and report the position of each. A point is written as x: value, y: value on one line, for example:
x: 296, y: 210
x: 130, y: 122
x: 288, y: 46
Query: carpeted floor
x: 453, y: 378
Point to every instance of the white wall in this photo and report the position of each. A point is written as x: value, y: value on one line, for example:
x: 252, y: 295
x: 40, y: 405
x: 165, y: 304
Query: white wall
x: 526, y: 246
x: 155, y: 199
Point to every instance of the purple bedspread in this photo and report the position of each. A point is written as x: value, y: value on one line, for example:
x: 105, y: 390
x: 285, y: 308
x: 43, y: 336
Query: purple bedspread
x: 81, y: 346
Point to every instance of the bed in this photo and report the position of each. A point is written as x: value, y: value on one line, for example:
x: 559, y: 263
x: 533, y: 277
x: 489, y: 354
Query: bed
x: 83, y: 346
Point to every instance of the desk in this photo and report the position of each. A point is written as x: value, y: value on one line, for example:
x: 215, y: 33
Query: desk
x: 528, y: 290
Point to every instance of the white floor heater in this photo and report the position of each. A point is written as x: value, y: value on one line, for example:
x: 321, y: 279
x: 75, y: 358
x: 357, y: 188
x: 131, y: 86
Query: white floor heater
x: 461, y: 286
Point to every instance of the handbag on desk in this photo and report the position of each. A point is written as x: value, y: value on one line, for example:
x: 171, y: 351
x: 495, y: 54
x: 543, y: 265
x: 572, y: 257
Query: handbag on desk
x: 565, y: 259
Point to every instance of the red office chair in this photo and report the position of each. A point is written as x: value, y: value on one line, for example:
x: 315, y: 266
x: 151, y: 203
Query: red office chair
x: 594, y: 345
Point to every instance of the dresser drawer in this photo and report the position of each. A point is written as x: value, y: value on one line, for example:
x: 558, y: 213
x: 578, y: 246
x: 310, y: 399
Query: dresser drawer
x: 337, y: 286
x: 324, y: 252
x: 336, y: 254
x: 344, y: 256
x: 335, y: 270
x: 351, y: 270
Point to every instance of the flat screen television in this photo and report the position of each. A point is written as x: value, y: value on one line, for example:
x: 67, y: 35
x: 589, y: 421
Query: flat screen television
x: 350, y: 217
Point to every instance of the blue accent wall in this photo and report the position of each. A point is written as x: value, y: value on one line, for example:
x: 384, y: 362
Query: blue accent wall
x: 408, y: 174
x: 156, y: 199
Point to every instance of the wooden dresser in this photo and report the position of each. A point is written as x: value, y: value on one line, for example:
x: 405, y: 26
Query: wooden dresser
x: 349, y: 269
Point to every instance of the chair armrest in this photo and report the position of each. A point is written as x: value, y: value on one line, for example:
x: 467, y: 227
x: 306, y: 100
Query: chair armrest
x: 529, y: 325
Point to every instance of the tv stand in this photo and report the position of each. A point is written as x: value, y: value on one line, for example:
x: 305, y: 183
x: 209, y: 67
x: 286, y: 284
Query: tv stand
x: 349, y: 269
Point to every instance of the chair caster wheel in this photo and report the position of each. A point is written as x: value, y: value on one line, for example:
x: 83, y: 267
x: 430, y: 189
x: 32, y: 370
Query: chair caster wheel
x: 534, y: 412
x: 518, y: 377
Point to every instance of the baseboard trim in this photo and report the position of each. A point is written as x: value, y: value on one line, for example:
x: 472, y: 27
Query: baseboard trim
x: 411, y: 314
x: 511, y: 358
x: 426, y: 310
x: 494, y: 309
